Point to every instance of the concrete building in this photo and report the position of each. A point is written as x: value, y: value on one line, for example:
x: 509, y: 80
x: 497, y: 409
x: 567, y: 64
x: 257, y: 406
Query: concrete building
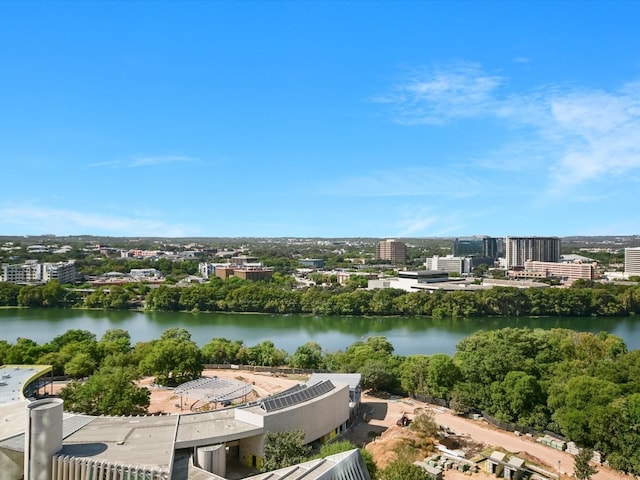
x: 32, y: 272
x: 311, y: 262
x: 206, y: 269
x: 632, y: 261
x: 244, y: 260
x: 409, y: 281
x: 392, y: 250
x: 22, y: 273
x: 253, y: 273
x: 449, y: 264
x: 63, y: 272
x: 40, y: 441
x: 224, y: 271
x: 145, y: 273
x: 562, y: 270
x: 518, y: 250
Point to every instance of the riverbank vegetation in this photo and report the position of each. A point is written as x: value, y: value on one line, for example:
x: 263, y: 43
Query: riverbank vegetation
x: 581, y: 385
x: 584, y: 298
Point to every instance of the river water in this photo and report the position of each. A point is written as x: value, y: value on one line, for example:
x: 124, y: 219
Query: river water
x: 407, y: 335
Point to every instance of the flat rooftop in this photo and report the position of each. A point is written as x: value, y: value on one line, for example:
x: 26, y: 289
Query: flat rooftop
x: 13, y: 379
x: 144, y: 441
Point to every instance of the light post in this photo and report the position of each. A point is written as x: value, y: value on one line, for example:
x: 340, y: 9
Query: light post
x: 559, y: 470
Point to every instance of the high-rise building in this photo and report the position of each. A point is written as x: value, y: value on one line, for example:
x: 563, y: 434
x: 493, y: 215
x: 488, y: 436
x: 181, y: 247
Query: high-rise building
x: 392, y: 250
x: 518, y: 250
x: 479, y: 246
x: 632, y: 261
x: 491, y: 247
x: 468, y: 247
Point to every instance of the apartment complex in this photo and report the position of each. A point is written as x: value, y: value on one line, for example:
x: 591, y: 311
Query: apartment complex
x: 519, y: 250
x: 632, y: 261
x: 32, y: 272
x: 393, y: 250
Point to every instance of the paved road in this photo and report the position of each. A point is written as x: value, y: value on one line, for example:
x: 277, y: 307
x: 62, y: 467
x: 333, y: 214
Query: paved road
x: 480, y: 431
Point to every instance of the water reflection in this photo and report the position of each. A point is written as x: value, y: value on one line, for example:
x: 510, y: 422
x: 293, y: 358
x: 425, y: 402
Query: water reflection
x: 409, y: 335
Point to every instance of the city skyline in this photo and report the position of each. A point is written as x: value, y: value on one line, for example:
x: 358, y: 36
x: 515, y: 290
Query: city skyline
x: 319, y: 119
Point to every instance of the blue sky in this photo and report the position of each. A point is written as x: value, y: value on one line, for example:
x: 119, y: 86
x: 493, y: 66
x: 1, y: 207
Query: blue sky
x: 330, y: 119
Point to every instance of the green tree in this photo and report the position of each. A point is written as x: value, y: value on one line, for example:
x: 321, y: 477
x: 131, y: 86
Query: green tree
x: 53, y: 294
x: 378, y: 375
x: 284, y: 449
x: 266, y: 354
x: 71, y: 336
x: 30, y: 296
x: 582, y: 467
x: 578, y: 403
x: 403, y: 470
x: 516, y: 397
x: 114, y: 341
x: 423, y: 423
x: 506, y: 301
x: 308, y: 355
x: 333, y: 448
x: 617, y: 434
x: 221, y: 350
x: 413, y: 374
x: 118, y: 298
x: 107, y: 392
x: 442, y: 375
x: 173, y: 359
x: 81, y: 365
x: 24, y: 352
x: 9, y: 294
x: 51, y: 358
x: 164, y: 298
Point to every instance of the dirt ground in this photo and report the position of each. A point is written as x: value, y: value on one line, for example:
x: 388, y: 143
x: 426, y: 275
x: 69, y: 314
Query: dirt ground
x: 163, y: 400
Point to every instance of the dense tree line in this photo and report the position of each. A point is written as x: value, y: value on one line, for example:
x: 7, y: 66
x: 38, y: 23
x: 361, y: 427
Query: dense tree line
x: 279, y: 296
x: 581, y: 385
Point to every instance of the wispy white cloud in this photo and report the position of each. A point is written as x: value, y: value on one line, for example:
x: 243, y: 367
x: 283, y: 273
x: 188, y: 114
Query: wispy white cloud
x: 159, y: 160
x: 439, y: 95
x: 600, y: 132
x: 416, y: 222
x: 145, y: 161
x: 32, y: 219
x: 571, y: 134
x: 408, y: 182
x: 419, y: 220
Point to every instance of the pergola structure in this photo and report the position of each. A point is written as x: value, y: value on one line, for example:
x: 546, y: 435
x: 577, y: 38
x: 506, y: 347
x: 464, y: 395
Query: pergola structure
x: 213, y: 390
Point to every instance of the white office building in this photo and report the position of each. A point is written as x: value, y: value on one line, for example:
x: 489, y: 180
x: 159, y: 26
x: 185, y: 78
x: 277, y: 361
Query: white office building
x: 632, y: 261
x: 449, y: 264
